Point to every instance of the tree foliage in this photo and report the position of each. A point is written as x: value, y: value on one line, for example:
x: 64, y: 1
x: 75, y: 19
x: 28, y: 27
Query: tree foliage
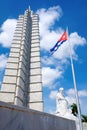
x: 84, y: 118
x: 75, y: 112
x: 74, y: 109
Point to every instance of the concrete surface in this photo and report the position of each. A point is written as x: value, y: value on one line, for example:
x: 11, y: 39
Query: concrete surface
x: 19, y: 118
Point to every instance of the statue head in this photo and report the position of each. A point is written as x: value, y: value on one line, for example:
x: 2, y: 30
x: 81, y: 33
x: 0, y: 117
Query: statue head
x: 61, y: 90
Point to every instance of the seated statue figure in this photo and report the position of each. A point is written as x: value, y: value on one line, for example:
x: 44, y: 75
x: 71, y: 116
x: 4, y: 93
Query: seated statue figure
x: 61, y: 103
x: 62, y: 107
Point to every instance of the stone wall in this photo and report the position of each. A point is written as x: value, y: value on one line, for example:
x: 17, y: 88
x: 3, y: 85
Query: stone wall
x: 19, y: 118
x: 84, y: 126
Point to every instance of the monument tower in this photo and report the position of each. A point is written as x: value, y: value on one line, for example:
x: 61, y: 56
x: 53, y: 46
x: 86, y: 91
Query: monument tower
x: 22, y: 83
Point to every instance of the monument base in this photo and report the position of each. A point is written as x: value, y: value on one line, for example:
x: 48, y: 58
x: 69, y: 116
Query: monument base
x: 19, y: 118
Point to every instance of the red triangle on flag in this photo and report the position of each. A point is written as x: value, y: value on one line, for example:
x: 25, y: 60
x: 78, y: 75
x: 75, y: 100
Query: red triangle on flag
x: 64, y: 37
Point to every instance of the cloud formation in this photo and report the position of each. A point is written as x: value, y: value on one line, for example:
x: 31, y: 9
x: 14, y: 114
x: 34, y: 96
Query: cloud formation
x: 3, y: 61
x: 81, y: 93
x: 53, y: 94
x: 48, y: 18
x: 49, y: 75
x: 49, y: 36
x: 7, y: 31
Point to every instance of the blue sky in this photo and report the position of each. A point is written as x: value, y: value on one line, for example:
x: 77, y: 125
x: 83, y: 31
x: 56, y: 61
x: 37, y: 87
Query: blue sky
x: 55, y: 16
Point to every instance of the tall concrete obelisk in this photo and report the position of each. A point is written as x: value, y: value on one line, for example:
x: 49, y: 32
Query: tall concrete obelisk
x: 22, y: 83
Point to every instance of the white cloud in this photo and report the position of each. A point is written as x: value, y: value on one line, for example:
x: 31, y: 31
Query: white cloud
x: 53, y: 94
x: 81, y: 93
x: 70, y: 100
x: 49, y: 75
x: 47, y: 61
x: 50, y: 35
x: 3, y: 61
x: 76, y: 39
x: 7, y: 30
x: 82, y: 98
x: 64, y: 51
x: 48, y: 18
x: 70, y: 92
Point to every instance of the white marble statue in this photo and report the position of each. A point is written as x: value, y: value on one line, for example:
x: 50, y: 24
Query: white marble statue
x: 62, y: 107
x: 61, y: 103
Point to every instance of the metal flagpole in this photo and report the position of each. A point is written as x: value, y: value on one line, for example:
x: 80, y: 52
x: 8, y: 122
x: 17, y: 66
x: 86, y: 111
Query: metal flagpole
x: 76, y: 92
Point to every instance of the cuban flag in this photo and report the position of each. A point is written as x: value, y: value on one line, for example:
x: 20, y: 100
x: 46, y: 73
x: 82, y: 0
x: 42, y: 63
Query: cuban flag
x: 62, y: 39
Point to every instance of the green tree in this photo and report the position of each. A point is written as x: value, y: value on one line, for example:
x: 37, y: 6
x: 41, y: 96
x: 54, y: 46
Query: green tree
x: 84, y: 118
x: 74, y: 109
x: 75, y: 112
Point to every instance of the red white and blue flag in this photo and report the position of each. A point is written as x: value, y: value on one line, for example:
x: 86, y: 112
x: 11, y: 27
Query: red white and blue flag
x: 62, y: 39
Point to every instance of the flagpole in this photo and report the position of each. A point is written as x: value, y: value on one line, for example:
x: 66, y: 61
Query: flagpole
x: 76, y: 92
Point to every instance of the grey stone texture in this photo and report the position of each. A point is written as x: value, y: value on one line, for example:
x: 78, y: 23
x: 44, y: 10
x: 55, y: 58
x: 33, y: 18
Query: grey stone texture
x: 22, y: 83
x: 85, y: 126
x: 19, y: 118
